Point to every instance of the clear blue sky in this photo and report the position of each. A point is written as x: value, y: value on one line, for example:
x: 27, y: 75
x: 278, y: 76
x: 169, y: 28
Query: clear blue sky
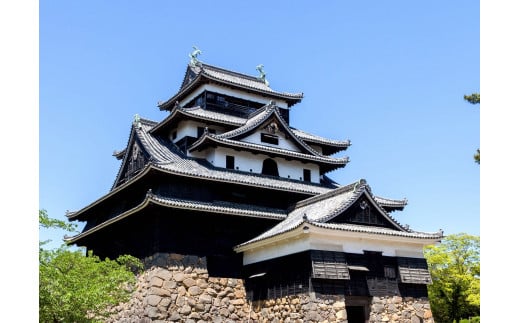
x: 388, y: 75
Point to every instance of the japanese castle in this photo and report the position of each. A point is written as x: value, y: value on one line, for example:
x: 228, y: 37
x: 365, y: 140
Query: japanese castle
x: 227, y: 177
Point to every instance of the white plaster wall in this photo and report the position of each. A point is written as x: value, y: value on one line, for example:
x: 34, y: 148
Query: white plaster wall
x: 298, y: 242
x: 248, y: 162
x: 234, y: 93
x: 187, y: 128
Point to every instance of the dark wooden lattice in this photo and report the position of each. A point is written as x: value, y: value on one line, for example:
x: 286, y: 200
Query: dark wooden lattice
x: 413, y: 270
x: 329, y: 265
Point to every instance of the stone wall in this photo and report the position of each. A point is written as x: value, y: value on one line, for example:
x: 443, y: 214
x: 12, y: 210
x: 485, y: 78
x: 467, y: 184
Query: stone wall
x: 177, y: 288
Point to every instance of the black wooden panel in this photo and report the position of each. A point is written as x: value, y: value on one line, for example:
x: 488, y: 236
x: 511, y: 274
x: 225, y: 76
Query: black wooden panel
x: 382, y: 286
x: 329, y: 265
x: 413, y: 270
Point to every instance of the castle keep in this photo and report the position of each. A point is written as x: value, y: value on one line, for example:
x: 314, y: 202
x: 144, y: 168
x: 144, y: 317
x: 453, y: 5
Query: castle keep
x: 225, y: 179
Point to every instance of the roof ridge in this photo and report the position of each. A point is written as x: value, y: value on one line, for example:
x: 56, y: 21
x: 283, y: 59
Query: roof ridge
x: 334, y: 192
x: 221, y: 69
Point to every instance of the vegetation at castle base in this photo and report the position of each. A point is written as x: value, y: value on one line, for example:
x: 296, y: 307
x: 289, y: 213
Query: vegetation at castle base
x: 455, y: 268
x: 75, y: 287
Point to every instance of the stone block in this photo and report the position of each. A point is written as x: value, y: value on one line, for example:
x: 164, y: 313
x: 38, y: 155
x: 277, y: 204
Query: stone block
x: 194, y: 290
x: 338, y: 306
x: 341, y: 315
x: 178, y: 277
x: 205, y: 299
x: 153, y: 300
x: 159, y: 291
x: 169, y: 284
x: 185, y: 309
x: 163, y: 274
x: 188, y: 282
x: 238, y: 301
x: 156, y: 282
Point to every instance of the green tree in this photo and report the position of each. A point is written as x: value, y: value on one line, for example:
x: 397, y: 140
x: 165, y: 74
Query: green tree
x: 474, y: 99
x: 75, y: 287
x: 455, y: 268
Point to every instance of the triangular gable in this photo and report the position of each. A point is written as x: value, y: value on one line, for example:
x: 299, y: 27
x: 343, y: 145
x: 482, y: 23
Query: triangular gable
x: 189, y: 76
x: 134, y: 160
x: 268, y: 120
x: 366, y: 211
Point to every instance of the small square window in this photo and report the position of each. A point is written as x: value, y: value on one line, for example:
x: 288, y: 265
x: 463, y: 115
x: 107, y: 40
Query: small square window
x: 230, y: 162
x: 306, y: 175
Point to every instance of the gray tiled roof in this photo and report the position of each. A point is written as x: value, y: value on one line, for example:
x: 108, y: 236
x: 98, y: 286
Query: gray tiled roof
x: 319, y: 209
x: 262, y: 115
x: 207, y: 115
x: 268, y: 150
x: 230, y: 78
x: 239, y: 79
x: 391, y: 203
x: 320, y: 140
x: 215, y: 207
x: 167, y: 157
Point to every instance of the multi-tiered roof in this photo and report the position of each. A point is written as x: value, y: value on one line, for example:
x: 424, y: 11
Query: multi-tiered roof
x: 226, y: 165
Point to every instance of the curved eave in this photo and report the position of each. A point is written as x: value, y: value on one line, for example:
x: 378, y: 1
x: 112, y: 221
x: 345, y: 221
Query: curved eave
x: 203, y: 78
x: 251, y: 180
x: 391, y: 204
x: 77, y: 216
x: 339, y: 230
x: 246, y: 179
x: 212, y: 208
x: 209, y: 140
x: 329, y: 146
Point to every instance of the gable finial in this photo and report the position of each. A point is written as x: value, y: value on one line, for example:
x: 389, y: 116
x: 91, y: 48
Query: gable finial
x: 260, y: 68
x: 193, y: 56
x: 137, y: 121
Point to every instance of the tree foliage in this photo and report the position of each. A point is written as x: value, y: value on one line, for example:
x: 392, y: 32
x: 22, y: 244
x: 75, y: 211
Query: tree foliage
x: 75, y: 287
x: 474, y: 99
x: 455, y: 268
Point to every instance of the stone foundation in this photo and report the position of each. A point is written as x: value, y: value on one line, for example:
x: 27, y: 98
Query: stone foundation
x: 177, y: 288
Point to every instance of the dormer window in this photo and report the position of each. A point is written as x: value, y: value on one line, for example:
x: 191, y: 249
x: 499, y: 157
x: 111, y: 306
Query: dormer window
x: 269, y: 139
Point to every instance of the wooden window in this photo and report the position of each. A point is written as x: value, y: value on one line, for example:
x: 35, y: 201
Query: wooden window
x: 329, y: 265
x: 269, y: 167
x: 306, y: 175
x: 230, y: 162
x: 413, y: 270
x: 269, y: 139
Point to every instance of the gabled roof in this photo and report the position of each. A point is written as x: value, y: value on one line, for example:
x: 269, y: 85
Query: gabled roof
x: 200, y: 114
x: 166, y: 158
x: 204, y: 73
x: 213, y: 208
x: 319, y: 210
x: 257, y: 119
x: 261, y: 116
